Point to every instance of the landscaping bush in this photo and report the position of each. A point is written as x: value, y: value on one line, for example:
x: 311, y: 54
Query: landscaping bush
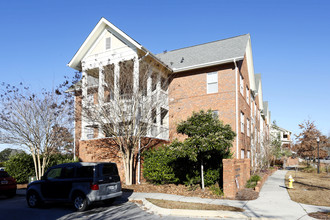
x: 21, y: 165
x: 252, y: 182
x: 216, y: 190
x: 211, y: 177
x: 156, y: 166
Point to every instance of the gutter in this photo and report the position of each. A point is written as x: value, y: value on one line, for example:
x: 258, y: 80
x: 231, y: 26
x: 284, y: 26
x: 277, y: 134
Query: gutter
x: 208, y: 64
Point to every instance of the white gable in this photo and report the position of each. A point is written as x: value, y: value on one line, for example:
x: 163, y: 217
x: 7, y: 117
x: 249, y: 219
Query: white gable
x: 123, y: 45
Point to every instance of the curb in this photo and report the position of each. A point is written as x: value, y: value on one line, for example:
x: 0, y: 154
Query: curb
x: 191, y: 213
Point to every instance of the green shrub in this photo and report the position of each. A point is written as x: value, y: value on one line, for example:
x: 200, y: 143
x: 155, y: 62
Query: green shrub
x: 255, y: 178
x: 156, y: 166
x: 20, y: 166
x: 211, y: 177
x: 252, y: 182
x: 216, y: 190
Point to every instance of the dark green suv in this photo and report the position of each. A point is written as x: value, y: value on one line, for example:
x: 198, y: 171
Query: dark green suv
x: 80, y: 183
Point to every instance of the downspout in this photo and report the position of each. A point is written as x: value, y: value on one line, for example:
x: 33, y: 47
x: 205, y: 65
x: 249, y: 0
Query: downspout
x: 236, y: 94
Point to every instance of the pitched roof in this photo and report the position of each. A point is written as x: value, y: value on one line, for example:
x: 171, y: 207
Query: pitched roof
x: 203, y: 55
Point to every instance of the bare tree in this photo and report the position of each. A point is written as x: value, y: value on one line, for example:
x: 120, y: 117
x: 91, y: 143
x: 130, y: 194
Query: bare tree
x: 29, y: 120
x: 129, y: 106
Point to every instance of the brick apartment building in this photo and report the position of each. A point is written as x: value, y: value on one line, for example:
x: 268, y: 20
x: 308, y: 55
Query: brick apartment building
x: 218, y: 75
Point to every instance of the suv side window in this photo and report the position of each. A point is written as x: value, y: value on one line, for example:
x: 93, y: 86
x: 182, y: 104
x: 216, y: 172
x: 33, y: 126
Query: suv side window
x: 54, y: 173
x: 67, y: 172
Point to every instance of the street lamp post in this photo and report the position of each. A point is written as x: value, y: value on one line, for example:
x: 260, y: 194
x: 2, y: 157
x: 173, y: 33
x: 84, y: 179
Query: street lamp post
x: 318, y: 154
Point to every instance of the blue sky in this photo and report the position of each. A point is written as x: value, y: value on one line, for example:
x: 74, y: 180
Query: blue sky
x: 290, y: 42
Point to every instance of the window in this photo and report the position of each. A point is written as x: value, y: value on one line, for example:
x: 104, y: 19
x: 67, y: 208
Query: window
x: 126, y: 79
x: 54, y: 173
x: 241, y: 84
x: 215, y: 114
x: 242, y: 154
x: 108, y: 43
x: 242, y: 122
x: 109, y: 170
x: 255, y: 109
x: 247, y: 127
x: 212, y: 82
x: 247, y: 94
x: 89, y: 132
x: 67, y: 172
x: 248, y: 154
x: 164, y: 84
x: 85, y: 171
x: 154, y: 79
x: 285, y: 136
x: 164, y: 115
x: 90, y: 98
x: 154, y: 115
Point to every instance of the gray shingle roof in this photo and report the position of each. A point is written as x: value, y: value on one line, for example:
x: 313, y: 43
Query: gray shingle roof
x: 205, y: 53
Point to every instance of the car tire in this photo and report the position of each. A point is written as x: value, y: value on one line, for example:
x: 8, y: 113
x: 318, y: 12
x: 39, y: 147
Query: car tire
x: 33, y: 199
x: 11, y: 193
x: 80, y: 202
x: 109, y: 201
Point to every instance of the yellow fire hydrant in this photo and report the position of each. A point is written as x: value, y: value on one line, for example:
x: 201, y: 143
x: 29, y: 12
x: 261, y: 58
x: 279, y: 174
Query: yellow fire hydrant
x: 291, y: 180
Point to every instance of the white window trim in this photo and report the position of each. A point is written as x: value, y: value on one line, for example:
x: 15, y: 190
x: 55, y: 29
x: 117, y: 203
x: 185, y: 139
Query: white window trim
x: 241, y: 83
x: 89, y: 133
x: 242, y: 154
x: 212, y: 79
x: 248, y: 127
x: 247, y: 95
x: 242, y: 122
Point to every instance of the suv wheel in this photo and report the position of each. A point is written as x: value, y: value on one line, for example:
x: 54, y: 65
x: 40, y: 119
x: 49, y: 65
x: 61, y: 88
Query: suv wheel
x: 80, y: 202
x: 33, y: 199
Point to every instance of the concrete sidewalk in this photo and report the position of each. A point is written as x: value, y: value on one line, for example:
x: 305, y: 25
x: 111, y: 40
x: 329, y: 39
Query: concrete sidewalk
x: 273, y: 203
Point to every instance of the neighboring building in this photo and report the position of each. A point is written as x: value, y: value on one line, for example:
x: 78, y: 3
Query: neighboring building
x: 285, y: 136
x: 218, y: 75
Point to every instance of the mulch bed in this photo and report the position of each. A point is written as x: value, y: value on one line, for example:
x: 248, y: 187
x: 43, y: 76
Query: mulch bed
x: 247, y: 194
x: 320, y: 215
x: 172, y: 189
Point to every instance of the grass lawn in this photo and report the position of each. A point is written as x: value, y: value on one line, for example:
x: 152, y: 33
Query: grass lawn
x: 310, y: 188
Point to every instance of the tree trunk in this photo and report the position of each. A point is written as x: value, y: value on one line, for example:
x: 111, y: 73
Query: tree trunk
x: 39, y: 166
x: 35, y: 164
x: 202, y: 173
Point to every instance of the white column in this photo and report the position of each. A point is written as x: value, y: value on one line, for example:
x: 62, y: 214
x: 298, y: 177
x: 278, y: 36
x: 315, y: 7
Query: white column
x: 158, y: 111
x: 135, y: 93
x: 83, y: 102
x: 149, y: 104
x: 101, y: 94
x: 116, y: 100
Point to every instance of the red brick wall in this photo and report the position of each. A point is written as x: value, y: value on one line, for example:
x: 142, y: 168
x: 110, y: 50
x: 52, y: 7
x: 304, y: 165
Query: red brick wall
x: 235, y: 171
x: 106, y: 150
x: 244, y: 106
x: 188, y: 93
x: 77, y: 130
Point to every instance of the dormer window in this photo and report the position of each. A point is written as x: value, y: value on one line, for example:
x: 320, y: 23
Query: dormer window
x: 107, y: 43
